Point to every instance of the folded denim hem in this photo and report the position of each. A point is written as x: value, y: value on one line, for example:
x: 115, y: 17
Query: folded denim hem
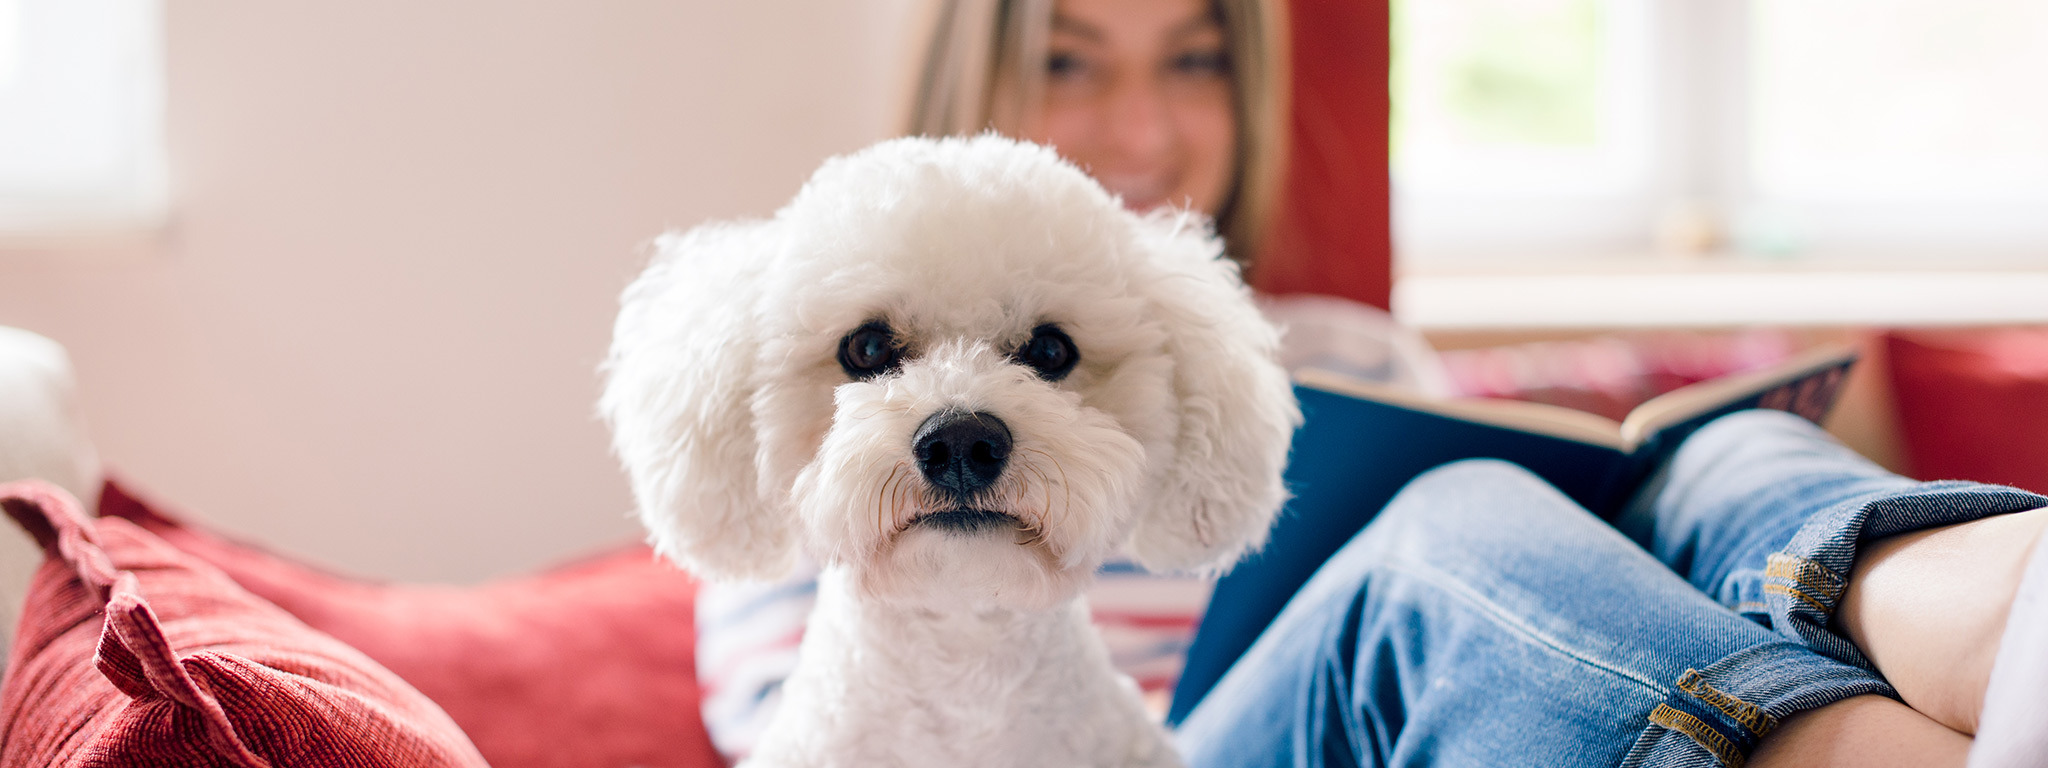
x: 1717, y: 716
x: 1804, y: 583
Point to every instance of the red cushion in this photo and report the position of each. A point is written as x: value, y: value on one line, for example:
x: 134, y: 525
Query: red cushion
x: 1973, y: 405
x: 185, y: 668
x: 586, y: 666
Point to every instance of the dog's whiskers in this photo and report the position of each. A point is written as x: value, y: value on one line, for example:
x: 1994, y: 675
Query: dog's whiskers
x: 910, y: 501
x: 1034, y: 535
x: 905, y: 489
x: 869, y: 470
x: 1067, y: 508
x: 1038, y: 525
x: 1025, y: 495
x: 1029, y: 522
x: 882, y: 498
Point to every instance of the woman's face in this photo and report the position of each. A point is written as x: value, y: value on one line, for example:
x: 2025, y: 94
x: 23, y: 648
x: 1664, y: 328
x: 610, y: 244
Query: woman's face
x: 1138, y: 93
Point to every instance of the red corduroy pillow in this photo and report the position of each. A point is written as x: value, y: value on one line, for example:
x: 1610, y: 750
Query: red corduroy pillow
x: 132, y: 653
x: 585, y: 666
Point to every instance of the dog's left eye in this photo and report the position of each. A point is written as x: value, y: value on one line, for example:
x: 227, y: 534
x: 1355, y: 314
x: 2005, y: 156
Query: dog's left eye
x: 869, y: 351
x: 1050, y: 352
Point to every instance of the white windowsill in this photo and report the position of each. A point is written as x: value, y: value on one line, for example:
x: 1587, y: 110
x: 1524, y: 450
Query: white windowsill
x: 1708, y: 297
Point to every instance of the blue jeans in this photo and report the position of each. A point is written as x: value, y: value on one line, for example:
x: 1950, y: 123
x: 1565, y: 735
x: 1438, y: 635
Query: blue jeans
x: 1483, y: 619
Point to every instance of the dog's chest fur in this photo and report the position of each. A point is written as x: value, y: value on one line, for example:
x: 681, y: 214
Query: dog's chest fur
x: 882, y: 686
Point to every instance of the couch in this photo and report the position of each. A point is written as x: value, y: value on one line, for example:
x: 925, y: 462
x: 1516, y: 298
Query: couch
x: 145, y: 638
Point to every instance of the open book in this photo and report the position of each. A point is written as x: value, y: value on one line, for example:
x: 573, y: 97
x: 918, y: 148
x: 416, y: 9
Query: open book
x: 1362, y: 442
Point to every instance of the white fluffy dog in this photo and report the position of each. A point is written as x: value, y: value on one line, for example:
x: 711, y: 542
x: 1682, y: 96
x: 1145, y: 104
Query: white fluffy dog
x: 959, y: 375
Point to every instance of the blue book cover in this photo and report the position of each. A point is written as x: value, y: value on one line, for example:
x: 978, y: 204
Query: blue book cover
x: 1360, y: 443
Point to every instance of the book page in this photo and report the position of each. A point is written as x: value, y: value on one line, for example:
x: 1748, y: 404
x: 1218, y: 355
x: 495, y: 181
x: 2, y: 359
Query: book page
x: 1688, y: 401
x: 1556, y: 421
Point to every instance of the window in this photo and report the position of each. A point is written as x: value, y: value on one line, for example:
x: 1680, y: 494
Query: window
x: 1915, y: 122
x: 81, y: 148
x: 1803, y: 131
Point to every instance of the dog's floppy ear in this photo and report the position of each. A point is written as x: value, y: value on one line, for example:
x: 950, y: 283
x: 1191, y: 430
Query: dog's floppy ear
x: 1237, y: 411
x: 678, y: 386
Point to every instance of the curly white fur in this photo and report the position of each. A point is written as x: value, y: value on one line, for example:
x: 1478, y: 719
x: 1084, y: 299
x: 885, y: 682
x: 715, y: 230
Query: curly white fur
x: 748, y: 442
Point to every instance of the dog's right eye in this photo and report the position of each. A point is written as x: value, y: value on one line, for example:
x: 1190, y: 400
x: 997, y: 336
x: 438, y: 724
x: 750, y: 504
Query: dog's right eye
x: 869, y: 351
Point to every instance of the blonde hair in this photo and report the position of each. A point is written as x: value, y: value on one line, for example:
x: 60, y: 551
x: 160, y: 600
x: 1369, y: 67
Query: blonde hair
x: 973, y: 42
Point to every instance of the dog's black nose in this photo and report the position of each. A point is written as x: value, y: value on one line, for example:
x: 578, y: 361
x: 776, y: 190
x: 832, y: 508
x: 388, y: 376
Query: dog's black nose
x: 961, y: 452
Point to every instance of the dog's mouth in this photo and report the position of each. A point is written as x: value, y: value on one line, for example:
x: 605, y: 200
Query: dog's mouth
x: 968, y: 520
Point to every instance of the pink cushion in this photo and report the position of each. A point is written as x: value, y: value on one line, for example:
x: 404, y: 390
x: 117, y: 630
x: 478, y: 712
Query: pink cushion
x: 585, y: 666
x: 1973, y: 404
x: 130, y: 652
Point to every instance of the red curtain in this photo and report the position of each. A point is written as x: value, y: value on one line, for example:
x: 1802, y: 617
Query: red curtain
x: 1332, y: 231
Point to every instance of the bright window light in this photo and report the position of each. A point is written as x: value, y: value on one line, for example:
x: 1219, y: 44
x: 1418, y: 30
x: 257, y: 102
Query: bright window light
x: 1530, y: 115
x: 1898, y: 128
x: 10, y: 42
x: 1804, y: 131
x: 81, y: 146
x: 1873, y: 100
x: 1499, y: 96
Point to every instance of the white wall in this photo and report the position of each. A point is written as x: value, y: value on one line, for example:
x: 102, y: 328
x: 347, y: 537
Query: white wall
x: 370, y: 335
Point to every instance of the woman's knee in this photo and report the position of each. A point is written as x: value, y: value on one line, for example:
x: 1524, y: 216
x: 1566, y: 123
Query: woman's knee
x: 1472, y: 487
x: 1744, y: 445
x: 1462, y: 500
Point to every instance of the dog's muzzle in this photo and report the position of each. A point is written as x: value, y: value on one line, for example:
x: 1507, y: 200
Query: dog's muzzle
x: 961, y: 454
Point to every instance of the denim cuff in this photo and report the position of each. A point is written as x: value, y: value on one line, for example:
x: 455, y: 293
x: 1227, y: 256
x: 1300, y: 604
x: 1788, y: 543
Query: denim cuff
x: 1718, y: 715
x: 1803, y: 583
